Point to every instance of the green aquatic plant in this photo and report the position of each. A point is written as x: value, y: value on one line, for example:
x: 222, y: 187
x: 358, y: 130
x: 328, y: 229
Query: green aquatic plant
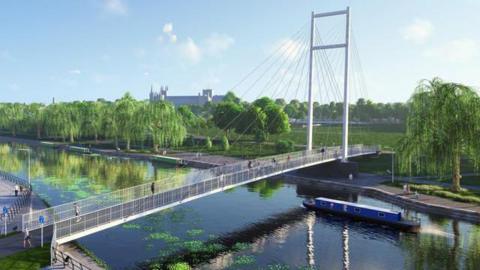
x: 195, y: 232
x: 165, y: 236
x: 179, y: 266
x: 240, y: 246
x: 131, y: 226
x: 244, y: 260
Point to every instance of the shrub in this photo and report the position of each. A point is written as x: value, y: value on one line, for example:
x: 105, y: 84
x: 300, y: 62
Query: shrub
x: 208, y: 143
x: 284, y: 146
x: 225, y: 144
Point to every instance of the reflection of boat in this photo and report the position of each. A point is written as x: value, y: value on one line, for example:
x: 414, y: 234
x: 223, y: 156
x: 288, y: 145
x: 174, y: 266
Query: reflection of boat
x: 363, y: 212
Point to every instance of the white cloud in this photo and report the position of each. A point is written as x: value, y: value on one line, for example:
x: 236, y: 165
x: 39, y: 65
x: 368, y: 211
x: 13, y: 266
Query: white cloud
x: 167, y: 33
x: 75, y: 72
x: 115, y: 7
x: 190, y: 51
x: 456, y: 51
x: 146, y: 74
x: 419, y: 31
x: 168, y: 28
x: 217, y: 43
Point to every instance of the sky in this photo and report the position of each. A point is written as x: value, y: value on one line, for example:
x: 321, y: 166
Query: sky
x: 89, y: 49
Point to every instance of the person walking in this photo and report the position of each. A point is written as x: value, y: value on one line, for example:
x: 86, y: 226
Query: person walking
x: 16, y: 190
x: 77, y: 211
x: 152, y: 188
x: 26, y: 239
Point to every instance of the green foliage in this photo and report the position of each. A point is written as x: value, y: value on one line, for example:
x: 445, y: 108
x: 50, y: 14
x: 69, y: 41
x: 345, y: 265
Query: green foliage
x: 166, y: 126
x: 284, y: 146
x: 225, y: 114
x: 208, y: 143
x: 251, y: 120
x: 33, y: 258
x: 231, y: 97
x: 225, y: 144
x: 179, y: 266
x: 443, y: 124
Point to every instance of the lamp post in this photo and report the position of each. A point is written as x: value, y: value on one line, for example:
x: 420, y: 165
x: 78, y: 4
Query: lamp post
x: 393, y: 163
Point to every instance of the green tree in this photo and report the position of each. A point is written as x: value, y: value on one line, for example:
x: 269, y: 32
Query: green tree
x: 442, y: 126
x: 277, y: 120
x: 253, y: 119
x: 225, y: 114
x: 231, y: 97
x: 11, y: 117
x: 124, y: 118
x: 166, y: 125
x: 35, y: 118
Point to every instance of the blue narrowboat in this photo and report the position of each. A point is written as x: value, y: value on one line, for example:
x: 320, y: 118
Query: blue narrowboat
x: 363, y: 212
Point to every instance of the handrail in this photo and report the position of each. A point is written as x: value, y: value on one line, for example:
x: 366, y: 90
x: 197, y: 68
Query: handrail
x: 67, y: 261
x: 14, y: 179
x: 198, y: 182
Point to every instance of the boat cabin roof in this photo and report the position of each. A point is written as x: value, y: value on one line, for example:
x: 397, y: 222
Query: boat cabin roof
x: 357, y: 205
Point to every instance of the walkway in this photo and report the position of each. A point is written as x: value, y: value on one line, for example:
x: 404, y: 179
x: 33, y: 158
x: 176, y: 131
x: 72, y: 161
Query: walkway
x: 111, y: 209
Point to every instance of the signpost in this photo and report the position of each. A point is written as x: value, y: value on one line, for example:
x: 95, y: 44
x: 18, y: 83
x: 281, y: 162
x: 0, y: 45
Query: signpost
x: 41, y: 220
x: 5, y: 214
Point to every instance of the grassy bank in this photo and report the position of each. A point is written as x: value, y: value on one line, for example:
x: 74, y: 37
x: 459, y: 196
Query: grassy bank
x: 33, y: 258
x: 463, y: 196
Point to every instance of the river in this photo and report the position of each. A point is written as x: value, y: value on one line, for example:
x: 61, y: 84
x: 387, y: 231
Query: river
x: 256, y: 226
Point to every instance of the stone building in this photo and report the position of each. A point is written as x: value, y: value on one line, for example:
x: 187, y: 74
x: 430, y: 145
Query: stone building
x: 201, y: 99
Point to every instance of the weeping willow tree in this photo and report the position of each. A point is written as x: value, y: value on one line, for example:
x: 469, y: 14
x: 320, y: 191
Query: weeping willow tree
x: 166, y: 125
x: 443, y: 125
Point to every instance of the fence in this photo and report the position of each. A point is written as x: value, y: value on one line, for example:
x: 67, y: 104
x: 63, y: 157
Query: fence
x: 98, y: 210
x: 14, y: 179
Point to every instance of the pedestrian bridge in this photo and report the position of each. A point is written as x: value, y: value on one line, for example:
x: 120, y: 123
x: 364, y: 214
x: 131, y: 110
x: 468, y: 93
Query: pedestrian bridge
x: 107, y: 210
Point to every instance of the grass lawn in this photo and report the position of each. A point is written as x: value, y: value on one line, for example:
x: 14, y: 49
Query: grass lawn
x: 463, y: 196
x: 385, y: 135
x: 33, y: 258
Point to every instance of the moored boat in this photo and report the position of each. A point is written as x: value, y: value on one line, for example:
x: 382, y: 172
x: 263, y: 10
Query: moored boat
x: 363, y: 212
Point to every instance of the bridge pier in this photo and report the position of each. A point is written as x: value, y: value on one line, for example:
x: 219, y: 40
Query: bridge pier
x: 335, y: 169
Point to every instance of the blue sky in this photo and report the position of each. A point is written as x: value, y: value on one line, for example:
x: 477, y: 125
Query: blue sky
x: 89, y: 49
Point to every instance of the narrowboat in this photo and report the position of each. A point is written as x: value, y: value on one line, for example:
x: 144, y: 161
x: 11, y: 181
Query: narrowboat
x: 363, y: 212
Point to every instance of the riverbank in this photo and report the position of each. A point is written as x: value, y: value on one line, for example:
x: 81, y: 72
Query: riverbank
x: 371, y: 185
x: 190, y: 159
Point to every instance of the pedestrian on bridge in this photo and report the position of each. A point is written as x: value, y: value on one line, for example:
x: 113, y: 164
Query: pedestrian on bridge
x: 26, y: 239
x: 77, y: 211
x: 152, y: 188
x: 16, y: 190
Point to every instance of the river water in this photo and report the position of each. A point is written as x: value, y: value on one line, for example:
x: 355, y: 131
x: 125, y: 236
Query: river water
x: 256, y: 226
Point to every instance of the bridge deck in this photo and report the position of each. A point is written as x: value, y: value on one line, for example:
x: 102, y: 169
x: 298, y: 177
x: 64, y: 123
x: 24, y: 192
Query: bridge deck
x: 107, y: 210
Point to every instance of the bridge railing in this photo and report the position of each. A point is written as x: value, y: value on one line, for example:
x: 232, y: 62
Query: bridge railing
x: 119, y: 204
x: 14, y: 179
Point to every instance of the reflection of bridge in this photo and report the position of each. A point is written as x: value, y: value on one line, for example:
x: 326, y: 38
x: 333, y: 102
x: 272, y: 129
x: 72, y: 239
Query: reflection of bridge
x: 110, y: 209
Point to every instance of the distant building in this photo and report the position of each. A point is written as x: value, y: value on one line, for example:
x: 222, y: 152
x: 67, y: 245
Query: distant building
x: 201, y: 99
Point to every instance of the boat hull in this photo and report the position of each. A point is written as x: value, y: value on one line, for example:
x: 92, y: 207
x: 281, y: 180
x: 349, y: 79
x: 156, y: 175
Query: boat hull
x: 404, y: 225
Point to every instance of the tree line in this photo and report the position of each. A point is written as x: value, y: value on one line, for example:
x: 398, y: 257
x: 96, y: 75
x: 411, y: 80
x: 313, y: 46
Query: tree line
x: 125, y: 119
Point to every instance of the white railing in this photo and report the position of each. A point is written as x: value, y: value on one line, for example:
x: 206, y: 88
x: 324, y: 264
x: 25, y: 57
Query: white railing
x: 14, y: 179
x: 117, y: 205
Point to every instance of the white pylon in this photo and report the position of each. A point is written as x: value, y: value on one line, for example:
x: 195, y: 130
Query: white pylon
x: 345, y: 45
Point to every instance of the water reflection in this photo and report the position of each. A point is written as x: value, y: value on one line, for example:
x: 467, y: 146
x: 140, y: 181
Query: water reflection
x: 60, y: 176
